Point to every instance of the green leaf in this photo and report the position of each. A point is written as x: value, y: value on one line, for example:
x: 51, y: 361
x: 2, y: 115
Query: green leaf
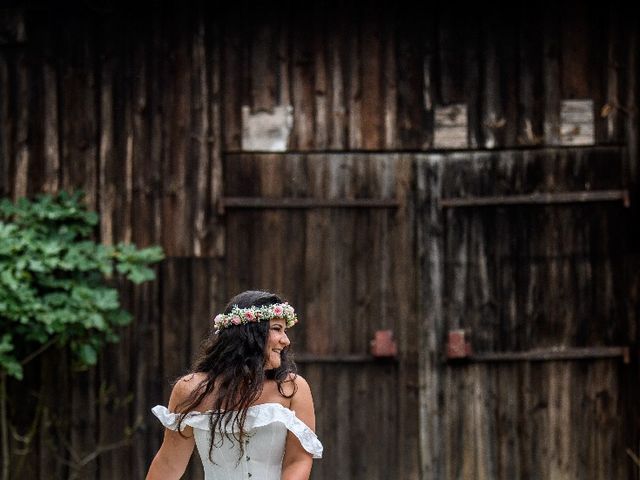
x: 106, y: 299
x: 87, y: 354
x: 8, y: 362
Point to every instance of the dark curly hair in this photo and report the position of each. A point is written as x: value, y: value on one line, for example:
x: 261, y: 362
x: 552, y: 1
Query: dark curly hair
x: 233, y: 364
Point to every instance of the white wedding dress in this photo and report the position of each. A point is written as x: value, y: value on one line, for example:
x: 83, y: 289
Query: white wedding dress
x: 266, y: 424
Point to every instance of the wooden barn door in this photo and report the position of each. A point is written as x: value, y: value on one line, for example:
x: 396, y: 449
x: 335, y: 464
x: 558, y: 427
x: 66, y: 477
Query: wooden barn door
x: 526, y: 252
x: 334, y: 235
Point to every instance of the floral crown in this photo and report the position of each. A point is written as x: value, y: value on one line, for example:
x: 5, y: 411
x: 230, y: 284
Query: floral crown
x: 242, y: 316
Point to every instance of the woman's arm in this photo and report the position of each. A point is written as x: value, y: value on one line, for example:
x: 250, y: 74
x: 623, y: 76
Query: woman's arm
x: 297, y: 462
x: 173, y: 456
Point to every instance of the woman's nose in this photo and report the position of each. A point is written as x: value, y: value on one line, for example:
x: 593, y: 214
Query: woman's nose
x: 285, y: 339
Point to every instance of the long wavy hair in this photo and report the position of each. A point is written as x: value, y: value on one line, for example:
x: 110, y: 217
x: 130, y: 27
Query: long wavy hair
x: 233, y: 364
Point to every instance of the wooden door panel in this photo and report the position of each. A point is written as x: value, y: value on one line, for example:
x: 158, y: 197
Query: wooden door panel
x: 333, y: 234
x: 524, y: 271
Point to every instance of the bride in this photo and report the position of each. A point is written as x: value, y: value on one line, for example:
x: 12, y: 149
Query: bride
x: 242, y: 406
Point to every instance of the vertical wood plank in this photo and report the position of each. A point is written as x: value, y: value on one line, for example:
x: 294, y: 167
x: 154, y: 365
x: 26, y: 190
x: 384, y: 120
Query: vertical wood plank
x: 574, y: 62
x: 263, y: 62
x: 35, y: 178
x: 398, y: 181
x: 530, y: 61
x: 79, y: 171
x: 372, y: 98
x: 50, y: 123
x: 148, y: 115
x: 146, y: 381
x: 430, y: 313
x: 116, y: 137
x: 232, y: 81
x: 415, y: 60
x: 79, y: 149
x: 202, y: 132
x: 177, y: 216
x: 632, y: 126
x: 321, y: 79
x: 450, y: 50
x: 53, y: 437
x: 616, y: 41
x: 114, y: 397
x: 302, y: 83
x: 499, y: 119
x: 108, y: 168
x: 175, y: 326
x: 551, y: 76
x: 147, y: 118
x: 474, y: 56
x: 21, y: 147
x: 597, y: 66
x: 6, y: 183
x: 338, y: 76
x: 389, y: 80
x: 493, y: 118
x: 354, y: 85
x: 214, y: 229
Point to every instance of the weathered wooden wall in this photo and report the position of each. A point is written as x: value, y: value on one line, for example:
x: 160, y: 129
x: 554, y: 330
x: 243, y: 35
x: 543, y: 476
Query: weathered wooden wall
x: 159, y: 112
x: 371, y: 78
x: 521, y: 278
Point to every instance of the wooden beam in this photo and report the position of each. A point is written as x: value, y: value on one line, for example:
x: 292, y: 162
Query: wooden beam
x: 539, y: 199
x: 338, y: 358
x: 303, y: 203
x: 550, y: 354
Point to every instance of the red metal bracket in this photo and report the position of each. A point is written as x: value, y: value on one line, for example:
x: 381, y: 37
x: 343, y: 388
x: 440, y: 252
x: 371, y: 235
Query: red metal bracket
x: 458, y: 346
x: 383, y: 344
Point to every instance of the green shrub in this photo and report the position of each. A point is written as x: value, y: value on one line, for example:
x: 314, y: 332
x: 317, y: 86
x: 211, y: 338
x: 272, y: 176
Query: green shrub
x: 54, y: 280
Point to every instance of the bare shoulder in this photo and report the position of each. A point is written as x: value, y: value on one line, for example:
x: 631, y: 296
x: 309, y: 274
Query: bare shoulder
x: 300, y: 382
x: 302, y: 401
x: 300, y: 389
x: 183, y: 388
x: 293, y: 384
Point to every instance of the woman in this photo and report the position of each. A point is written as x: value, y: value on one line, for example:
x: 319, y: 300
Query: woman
x: 243, y: 406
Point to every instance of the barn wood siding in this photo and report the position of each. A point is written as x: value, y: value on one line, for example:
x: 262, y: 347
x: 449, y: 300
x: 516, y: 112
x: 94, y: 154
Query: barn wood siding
x: 139, y: 111
x: 520, y: 278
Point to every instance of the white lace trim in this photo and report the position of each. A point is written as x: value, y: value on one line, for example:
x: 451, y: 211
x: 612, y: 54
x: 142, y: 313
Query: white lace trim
x: 257, y: 416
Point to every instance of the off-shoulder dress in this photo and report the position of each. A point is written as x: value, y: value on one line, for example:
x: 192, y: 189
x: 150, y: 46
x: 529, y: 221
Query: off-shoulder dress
x: 267, y: 425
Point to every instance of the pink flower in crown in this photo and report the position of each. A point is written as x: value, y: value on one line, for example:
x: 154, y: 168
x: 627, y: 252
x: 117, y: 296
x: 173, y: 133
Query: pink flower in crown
x: 289, y: 309
x: 278, y: 311
x: 236, y: 320
x: 217, y: 321
x: 249, y: 315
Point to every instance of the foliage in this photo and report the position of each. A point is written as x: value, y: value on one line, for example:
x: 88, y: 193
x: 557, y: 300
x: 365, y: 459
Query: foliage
x: 54, y: 280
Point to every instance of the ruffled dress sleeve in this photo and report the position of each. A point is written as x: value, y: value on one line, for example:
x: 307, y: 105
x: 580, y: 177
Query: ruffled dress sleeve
x: 170, y: 419
x: 264, y: 414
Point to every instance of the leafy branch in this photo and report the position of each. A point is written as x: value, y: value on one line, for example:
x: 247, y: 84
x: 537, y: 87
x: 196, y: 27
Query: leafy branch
x: 55, y: 285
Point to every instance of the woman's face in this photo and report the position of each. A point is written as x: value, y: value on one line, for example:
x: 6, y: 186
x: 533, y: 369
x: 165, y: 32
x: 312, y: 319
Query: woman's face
x: 276, y: 342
